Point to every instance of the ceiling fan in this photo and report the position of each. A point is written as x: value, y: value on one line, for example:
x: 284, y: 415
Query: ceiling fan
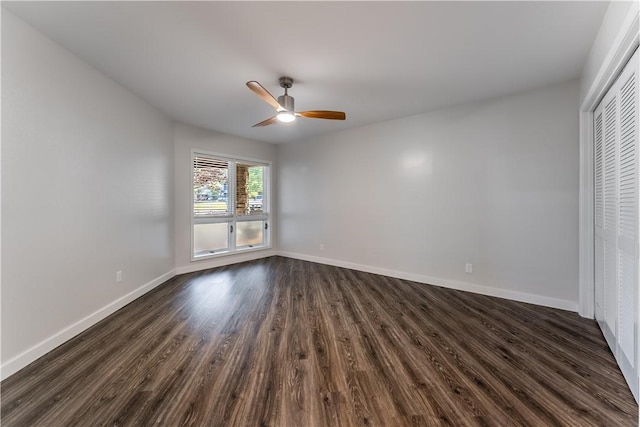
x: 285, y: 111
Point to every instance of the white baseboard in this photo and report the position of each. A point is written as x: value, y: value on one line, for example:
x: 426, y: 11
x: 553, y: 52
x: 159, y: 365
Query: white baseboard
x: 225, y: 260
x: 445, y: 283
x: 20, y: 361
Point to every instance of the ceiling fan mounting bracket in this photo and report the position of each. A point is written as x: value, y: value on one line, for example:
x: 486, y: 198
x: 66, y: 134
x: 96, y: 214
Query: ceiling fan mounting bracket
x: 286, y: 82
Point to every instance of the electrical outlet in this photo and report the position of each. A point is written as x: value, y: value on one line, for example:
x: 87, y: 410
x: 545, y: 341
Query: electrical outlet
x: 322, y: 246
x: 119, y: 276
x: 468, y: 268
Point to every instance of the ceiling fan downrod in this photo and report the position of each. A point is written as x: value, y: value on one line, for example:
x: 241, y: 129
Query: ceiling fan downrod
x: 286, y: 101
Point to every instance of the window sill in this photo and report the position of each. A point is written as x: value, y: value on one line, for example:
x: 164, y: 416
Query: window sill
x: 228, y: 253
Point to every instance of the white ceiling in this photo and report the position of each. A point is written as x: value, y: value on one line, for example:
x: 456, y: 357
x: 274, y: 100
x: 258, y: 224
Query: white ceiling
x: 375, y: 60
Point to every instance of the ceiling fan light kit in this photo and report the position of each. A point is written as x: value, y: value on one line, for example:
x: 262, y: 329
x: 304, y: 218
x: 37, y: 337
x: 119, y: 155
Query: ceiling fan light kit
x: 285, y: 116
x: 284, y: 105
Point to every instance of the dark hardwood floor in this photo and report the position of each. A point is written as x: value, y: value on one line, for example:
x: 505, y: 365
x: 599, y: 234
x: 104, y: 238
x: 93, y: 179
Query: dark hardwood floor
x: 283, y: 342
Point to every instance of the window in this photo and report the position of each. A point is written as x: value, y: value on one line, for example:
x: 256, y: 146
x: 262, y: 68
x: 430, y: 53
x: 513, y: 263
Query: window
x: 230, y: 205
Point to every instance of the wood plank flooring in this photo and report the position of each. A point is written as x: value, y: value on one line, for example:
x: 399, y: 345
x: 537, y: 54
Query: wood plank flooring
x: 283, y: 342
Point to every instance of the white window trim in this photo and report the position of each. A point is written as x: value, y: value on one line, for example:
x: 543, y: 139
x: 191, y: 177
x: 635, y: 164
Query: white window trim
x: 267, y: 193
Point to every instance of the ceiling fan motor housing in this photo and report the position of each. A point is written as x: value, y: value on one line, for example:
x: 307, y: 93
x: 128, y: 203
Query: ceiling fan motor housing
x: 286, y: 102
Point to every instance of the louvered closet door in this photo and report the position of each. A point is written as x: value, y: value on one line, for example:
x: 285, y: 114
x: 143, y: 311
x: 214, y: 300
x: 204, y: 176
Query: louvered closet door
x: 608, y: 233
x: 616, y: 216
x: 627, y: 138
x: 599, y: 215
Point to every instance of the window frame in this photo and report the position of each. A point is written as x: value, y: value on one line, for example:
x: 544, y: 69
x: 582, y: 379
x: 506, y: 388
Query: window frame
x: 232, y: 218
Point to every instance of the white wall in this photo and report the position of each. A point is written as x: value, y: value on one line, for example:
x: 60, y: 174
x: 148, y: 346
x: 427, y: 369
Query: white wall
x: 494, y: 184
x: 186, y: 139
x: 87, y: 189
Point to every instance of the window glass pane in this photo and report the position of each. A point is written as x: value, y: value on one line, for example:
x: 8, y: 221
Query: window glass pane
x: 210, y: 238
x: 250, y: 233
x: 249, y: 189
x: 210, y: 186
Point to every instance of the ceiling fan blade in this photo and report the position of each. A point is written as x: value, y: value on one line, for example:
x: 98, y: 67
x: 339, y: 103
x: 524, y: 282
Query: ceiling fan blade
x: 323, y: 114
x: 264, y: 94
x: 266, y: 122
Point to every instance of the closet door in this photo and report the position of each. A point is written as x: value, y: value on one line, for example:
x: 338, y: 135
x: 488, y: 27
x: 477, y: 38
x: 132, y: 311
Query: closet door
x: 616, y: 216
x: 608, y: 217
x: 626, y: 129
x: 599, y: 214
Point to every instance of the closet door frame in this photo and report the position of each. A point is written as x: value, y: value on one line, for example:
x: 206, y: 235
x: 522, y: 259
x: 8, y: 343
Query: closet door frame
x: 623, y: 47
